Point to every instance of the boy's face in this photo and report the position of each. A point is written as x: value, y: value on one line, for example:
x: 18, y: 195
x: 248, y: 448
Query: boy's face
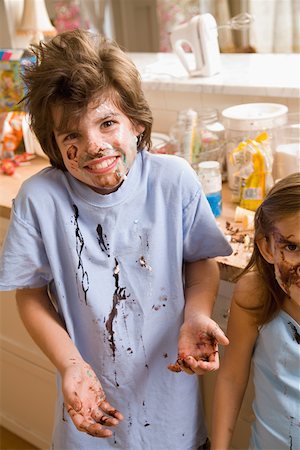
x: 100, y: 150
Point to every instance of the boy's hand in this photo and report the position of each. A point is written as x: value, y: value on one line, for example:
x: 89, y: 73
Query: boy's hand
x: 198, y: 346
x: 85, y: 401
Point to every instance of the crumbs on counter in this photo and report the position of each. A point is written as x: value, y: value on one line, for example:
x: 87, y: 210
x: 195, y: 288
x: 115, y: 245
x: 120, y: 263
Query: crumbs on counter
x: 238, y: 236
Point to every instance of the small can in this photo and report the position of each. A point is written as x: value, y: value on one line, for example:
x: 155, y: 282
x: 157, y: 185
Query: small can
x: 209, y: 173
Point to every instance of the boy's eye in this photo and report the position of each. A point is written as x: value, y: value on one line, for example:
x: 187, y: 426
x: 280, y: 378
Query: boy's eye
x: 108, y: 123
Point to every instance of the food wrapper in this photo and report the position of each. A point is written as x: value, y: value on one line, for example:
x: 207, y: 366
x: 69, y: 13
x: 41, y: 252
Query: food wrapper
x: 253, y: 179
x: 11, y: 134
x: 12, y: 88
x: 12, y: 146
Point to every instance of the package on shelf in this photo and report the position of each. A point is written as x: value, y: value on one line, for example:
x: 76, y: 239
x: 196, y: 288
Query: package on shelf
x: 14, y: 148
x: 12, y: 89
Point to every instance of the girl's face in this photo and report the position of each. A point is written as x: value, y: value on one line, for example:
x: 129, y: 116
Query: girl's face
x: 285, y: 249
x: 100, y: 150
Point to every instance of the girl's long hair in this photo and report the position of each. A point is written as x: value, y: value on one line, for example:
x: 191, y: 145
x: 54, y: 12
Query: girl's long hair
x: 283, y: 200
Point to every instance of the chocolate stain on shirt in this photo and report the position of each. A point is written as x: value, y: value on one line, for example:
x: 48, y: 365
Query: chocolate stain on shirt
x: 295, y: 332
x: 79, y: 248
x: 119, y: 294
x: 101, y: 240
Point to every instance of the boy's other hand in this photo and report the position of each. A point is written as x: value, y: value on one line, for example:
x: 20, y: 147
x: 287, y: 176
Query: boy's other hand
x: 198, y: 346
x: 85, y: 401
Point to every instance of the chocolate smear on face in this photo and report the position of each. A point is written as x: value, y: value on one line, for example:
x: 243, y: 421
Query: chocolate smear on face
x: 288, y: 273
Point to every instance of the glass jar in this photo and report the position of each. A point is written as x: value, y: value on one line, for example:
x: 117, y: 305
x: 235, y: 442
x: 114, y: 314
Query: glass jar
x: 200, y: 136
x: 209, y: 174
x: 247, y: 121
x: 211, y: 138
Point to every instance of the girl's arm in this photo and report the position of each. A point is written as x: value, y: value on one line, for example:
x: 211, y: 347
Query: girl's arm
x: 199, y: 334
x: 83, y: 394
x: 234, y: 372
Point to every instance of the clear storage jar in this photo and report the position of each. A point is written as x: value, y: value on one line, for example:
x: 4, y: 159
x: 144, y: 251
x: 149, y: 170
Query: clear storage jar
x: 247, y: 121
x: 200, y: 136
x: 211, y: 138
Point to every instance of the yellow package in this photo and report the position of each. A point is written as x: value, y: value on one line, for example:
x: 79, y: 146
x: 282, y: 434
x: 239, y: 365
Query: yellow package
x: 254, y: 176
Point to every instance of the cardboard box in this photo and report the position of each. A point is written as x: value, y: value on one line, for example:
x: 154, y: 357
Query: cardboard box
x: 12, y: 89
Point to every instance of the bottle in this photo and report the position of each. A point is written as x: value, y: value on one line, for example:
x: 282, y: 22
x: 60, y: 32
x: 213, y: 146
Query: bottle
x: 209, y: 173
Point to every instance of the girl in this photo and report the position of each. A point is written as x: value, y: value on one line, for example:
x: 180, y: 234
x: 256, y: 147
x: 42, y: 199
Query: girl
x: 264, y: 328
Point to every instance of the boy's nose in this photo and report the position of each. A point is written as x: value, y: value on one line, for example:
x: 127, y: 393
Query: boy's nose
x: 95, y: 146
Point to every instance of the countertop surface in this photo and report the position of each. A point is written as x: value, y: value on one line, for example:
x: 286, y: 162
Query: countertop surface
x: 230, y: 266
x: 274, y: 75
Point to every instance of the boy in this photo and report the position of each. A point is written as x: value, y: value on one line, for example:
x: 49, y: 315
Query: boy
x: 112, y: 246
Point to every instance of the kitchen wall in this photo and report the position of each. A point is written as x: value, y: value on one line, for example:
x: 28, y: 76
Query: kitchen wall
x: 166, y: 105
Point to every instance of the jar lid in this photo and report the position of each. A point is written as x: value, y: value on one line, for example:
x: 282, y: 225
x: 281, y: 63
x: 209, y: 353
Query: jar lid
x: 254, y: 116
x: 209, y: 165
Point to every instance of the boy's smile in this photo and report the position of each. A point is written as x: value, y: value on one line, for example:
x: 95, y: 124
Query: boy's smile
x: 100, y: 150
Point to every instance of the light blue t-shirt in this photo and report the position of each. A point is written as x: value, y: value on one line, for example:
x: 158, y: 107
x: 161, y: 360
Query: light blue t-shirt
x: 276, y: 364
x: 114, y: 265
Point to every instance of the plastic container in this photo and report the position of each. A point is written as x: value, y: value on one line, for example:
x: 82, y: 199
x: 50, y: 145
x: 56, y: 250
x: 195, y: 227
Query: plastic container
x: 287, y: 152
x: 209, y: 173
x: 248, y: 120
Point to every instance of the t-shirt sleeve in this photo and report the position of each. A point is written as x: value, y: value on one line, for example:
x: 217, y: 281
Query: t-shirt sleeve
x: 23, y: 261
x: 202, y: 238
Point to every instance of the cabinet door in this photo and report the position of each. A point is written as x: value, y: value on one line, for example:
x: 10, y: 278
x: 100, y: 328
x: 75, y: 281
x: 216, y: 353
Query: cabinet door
x: 28, y: 385
x: 240, y: 440
x: 135, y: 25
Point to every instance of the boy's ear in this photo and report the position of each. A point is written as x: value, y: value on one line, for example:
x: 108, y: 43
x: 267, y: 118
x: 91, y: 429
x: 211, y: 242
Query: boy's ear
x: 265, y: 249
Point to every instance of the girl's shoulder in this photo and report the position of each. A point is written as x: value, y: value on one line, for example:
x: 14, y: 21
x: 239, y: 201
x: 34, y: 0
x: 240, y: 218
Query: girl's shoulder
x: 250, y: 291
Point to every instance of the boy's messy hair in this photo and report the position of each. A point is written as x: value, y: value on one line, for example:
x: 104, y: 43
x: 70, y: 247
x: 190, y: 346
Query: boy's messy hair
x: 283, y: 200
x: 73, y: 69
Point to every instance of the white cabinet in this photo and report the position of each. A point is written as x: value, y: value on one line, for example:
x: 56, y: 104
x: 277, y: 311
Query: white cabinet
x: 241, y: 435
x: 27, y: 384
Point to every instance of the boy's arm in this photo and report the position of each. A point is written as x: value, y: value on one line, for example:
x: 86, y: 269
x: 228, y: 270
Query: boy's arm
x: 234, y: 372
x: 199, y: 335
x: 83, y: 394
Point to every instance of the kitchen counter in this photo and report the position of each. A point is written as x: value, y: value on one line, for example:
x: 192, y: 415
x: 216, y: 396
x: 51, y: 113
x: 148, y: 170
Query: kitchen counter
x: 244, y: 78
x: 230, y: 266
x: 274, y: 75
